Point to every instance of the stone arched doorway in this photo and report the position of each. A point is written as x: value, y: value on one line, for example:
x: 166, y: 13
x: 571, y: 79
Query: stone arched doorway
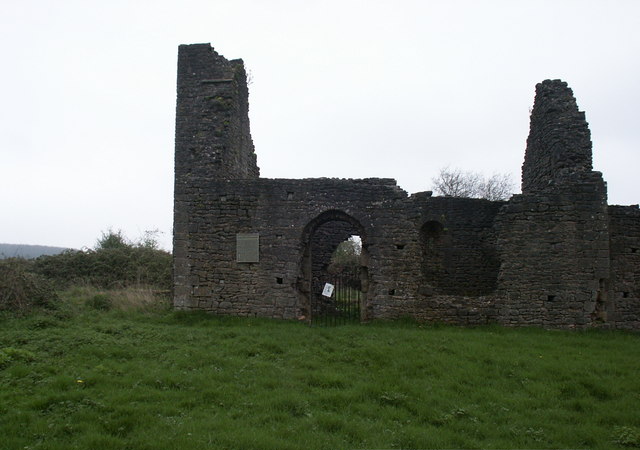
x: 322, y: 239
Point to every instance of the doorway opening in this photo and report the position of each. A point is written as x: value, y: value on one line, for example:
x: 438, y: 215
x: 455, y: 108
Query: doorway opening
x: 334, y: 279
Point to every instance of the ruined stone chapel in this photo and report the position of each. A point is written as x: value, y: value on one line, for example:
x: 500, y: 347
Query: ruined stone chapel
x: 556, y: 255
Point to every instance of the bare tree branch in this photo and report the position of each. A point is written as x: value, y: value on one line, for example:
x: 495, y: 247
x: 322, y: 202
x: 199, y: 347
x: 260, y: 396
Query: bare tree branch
x: 455, y: 183
x: 498, y: 186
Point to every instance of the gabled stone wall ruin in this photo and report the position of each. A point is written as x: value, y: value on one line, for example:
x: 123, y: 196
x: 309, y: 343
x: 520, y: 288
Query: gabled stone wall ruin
x: 556, y: 255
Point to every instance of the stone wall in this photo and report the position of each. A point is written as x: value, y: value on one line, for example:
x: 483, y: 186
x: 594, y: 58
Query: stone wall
x: 458, y: 248
x: 290, y: 216
x: 212, y: 141
x: 554, y: 241
x: 212, y: 122
x: 624, y: 296
x: 553, y: 256
x: 283, y: 213
x: 559, y: 142
x: 451, y: 283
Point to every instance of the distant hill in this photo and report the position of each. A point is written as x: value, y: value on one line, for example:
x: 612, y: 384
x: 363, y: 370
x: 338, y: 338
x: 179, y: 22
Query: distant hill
x: 28, y: 251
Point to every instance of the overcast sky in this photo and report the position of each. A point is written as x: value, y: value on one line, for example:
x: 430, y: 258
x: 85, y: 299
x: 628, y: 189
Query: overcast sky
x: 346, y: 88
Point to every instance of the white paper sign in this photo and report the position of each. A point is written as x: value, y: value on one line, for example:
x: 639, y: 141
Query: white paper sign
x: 328, y: 290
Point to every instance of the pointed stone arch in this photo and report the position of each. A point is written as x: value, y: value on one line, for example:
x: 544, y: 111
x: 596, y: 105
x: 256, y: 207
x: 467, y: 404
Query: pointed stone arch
x: 320, y: 238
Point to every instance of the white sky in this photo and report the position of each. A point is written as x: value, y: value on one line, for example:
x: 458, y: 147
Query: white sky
x: 345, y: 88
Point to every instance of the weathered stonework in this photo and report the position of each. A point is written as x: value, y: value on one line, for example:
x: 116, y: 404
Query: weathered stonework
x: 623, y: 302
x: 554, y: 256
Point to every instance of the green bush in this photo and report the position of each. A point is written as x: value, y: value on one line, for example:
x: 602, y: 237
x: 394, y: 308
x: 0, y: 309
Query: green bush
x: 22, y: 290
x: 626, y: 436
x: 100, y: 302
x: 114, y: 263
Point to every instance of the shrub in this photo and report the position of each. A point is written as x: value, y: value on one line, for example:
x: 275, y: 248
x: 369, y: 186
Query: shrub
x: 100, y: 302
x: 21, y: 290
x: 626, y: 436
x: 114, y: 263
x: 69, y: 267
x: 112, y: 239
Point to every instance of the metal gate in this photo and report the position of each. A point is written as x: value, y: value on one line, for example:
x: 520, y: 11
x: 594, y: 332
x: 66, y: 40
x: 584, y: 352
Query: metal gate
x: 336, y: 299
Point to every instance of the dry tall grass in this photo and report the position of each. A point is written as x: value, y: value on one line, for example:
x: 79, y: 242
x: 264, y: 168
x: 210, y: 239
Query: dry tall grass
x: 128, y: 299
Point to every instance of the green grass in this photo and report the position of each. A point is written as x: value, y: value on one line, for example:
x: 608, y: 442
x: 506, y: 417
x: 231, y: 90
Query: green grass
x: 91, y: 378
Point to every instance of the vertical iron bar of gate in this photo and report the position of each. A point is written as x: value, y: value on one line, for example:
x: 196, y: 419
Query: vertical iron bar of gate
x: 348, y: 298
x: 359, y: 296
x: 339, y: 297
x: 330, y: 317
x: 343, y: 306
x: 342, y: 298
x: 347, y: 303
x: 338, y: 304
x: 355, y: 296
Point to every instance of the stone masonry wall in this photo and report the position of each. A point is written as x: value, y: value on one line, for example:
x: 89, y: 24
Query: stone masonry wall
x: 212, y: 121
x: 624, y: 229
x: 464, y: 252
x: 555, y: 255
x: 467, y: 267
x: 559, y: 141
x: 212, y: 141
x: 281, y: 210
x: 553, y: 239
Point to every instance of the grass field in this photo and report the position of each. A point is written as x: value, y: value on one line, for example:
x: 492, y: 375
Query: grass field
x: 125, y: 378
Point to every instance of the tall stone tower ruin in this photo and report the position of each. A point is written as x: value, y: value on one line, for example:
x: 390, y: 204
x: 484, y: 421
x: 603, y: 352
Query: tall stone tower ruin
x: 554, y: 237
x: 213, y: 142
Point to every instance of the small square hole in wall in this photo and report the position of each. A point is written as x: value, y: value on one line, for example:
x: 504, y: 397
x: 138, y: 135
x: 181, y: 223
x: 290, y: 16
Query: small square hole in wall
x: 400, y: 246
x: 551, y: 298
x: 634, y: 250
x: 278, y: 236
x: 279, y: 280
x: 625, y: 295
x: 392, y: 292
x: 289, y: 195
